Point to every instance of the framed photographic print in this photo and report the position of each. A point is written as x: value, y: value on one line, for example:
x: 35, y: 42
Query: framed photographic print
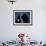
x: 22, y: 17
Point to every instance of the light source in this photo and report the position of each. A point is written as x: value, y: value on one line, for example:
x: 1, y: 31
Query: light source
x: 12, y: 1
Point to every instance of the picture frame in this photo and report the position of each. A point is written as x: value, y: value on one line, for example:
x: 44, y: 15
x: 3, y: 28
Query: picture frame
x: 22, y: 17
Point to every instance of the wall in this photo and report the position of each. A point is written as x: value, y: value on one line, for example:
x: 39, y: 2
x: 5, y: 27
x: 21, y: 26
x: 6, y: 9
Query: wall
x: 37, y: 31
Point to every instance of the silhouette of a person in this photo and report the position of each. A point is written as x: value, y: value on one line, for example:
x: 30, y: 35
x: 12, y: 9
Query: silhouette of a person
x: 25, y: 18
